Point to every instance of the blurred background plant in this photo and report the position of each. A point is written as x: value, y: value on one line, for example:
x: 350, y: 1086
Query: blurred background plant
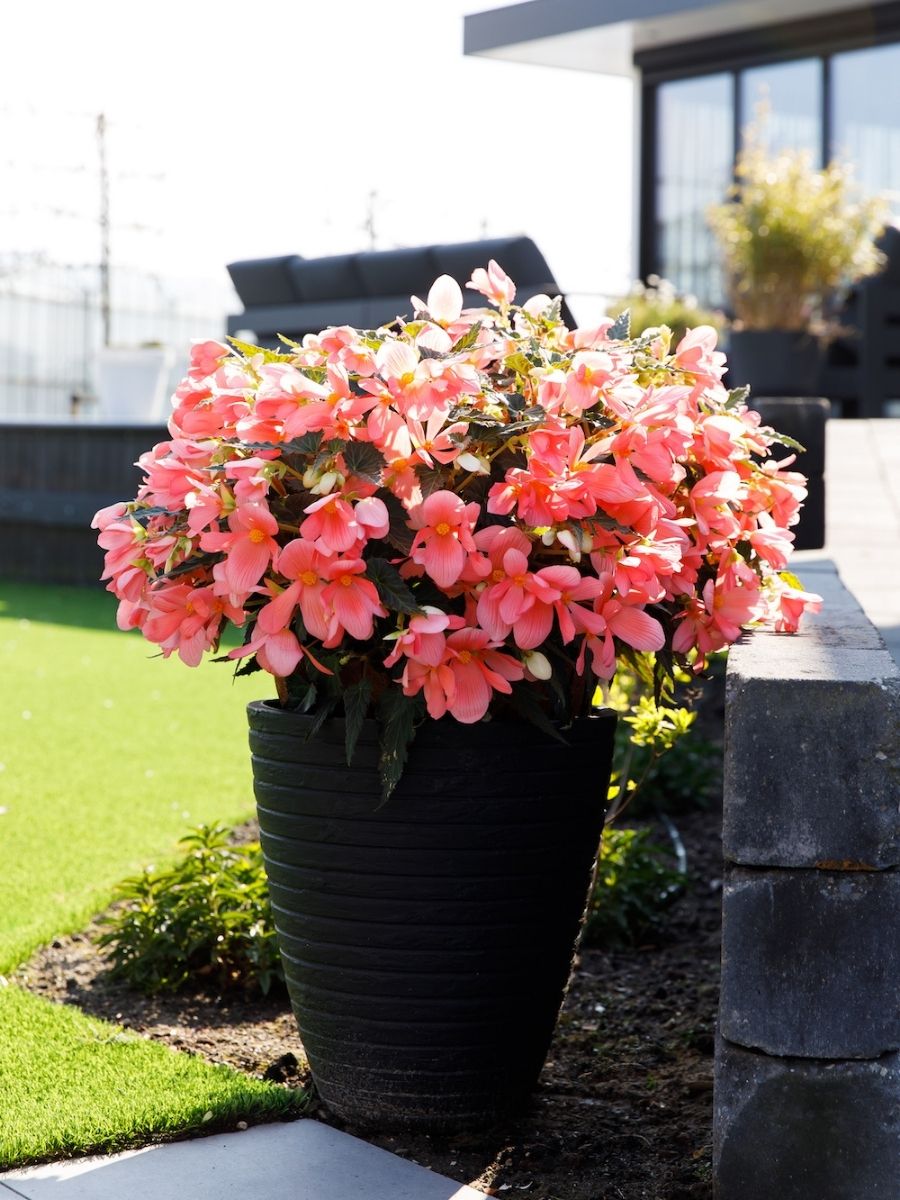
x: 658, y: 302
x: 792, y: 238
x: 206, y: 920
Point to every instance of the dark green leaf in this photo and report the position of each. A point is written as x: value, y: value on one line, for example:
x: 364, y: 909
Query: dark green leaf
x: 782, y: 439
x: 527, y: 704
x: 399, y: 534
x: 200, y: 559
x: 357, y: 698
x: 393, y: 591
x: 365, y: 461
x: 250, y: 351
x: 247, y: 666
x: 398, y: 715
x: 553, y: 314
x: 737, y: 396
x: 519, y: 363
x: 468, y: 339
x: 324, y: 708
x: 144, y: 514
x: 431, y: 479
x: 309, y: 443
x: 620, y: 330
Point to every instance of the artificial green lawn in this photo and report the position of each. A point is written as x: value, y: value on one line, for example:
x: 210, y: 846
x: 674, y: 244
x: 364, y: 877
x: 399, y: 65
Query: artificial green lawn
x: 74, y: 1085
x: 107, y: 756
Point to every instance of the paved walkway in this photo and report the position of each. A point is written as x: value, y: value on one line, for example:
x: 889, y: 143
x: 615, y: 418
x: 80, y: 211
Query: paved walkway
x: 862, y: 515
x: 302, y: 1160
x: 306, y: 1160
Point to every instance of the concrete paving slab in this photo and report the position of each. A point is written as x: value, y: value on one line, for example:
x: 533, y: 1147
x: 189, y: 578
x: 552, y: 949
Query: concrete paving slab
x: 862, y: 517
x: 303, y: 1160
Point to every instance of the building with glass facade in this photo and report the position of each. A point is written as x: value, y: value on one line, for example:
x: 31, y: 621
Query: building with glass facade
x: 826, y: 71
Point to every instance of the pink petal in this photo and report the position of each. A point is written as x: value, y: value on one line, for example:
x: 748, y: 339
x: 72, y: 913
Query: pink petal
x: 638, y: 629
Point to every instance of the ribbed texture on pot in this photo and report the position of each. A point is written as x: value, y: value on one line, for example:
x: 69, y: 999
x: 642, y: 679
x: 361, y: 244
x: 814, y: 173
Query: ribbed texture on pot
x: 427, y: 941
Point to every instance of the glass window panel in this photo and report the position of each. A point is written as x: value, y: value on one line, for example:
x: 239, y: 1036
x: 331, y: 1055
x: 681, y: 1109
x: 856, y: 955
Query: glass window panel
x: 694, y: 156
x: 865, y: 101
x: 785, y: 100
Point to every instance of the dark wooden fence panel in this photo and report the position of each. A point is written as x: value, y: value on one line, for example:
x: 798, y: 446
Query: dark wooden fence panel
x: 53, y: 478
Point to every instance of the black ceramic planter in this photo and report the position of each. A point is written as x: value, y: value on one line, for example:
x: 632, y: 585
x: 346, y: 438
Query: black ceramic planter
x: 775, y: 362
x: 427, y: 942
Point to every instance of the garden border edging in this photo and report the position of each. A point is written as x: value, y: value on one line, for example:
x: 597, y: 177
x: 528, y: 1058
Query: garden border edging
x: 807, y: 1082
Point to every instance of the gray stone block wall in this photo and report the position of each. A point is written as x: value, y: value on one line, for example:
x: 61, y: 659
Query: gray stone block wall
x: 807, y: 1101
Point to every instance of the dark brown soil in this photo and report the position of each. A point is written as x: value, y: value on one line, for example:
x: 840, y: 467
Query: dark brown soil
x: 623, y: 1110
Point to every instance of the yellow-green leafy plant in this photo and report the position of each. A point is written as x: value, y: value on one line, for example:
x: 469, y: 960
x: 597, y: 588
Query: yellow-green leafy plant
x: 658, y: 303
x: 792, y: 238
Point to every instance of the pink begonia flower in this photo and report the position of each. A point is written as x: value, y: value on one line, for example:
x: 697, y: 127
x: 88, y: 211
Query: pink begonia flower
x: 252, y: 475
x: 124, y: 542
x: 778, y: 492
x: 591, y: 371
x: 437, y: 681
x: 697, y: 353
x: 186, y: 618
x: 479, y: 670
x: 278, y: 653
x: 372, y: 516
x: 771, y: 543
x: 250, y: 546
x: 444, y: 526
x: 331, y: 524
x: 436, y: 442
x: 790, y: 606
x: 353, y: 601
x: 444, y: 303
x: 464, y: 682
x: 206, y: 358
x: 512, y: 591
x: 423, y: 640
x: 712, y: 498
x: 301, y: 563
x: 567, y: 586
x: 106, y: 516
x: 493, y: 283
x: 204, y: 505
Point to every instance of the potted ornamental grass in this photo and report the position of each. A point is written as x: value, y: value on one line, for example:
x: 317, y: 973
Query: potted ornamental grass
x: 792, y: 240
x: 441, y: 538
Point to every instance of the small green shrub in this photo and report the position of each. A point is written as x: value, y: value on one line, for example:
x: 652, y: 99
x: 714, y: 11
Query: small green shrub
x: 657, y: 302
x: 206, y: 920
x: 634, y: 885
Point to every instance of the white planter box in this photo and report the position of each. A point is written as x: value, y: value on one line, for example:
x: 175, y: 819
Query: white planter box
x: 132, y: 385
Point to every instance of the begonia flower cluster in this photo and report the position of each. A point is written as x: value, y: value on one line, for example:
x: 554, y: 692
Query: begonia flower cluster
x: 459, y: 506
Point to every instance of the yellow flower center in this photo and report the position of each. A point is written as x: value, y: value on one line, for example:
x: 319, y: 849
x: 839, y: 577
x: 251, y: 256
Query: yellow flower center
x: 498, y: 575
x: 519, y: 580
x: 346, y: 580
x: 465, y: 656
x: 257, y: 535
x: 309, y: 578
x: 333, y: 400
x: 442, y: 529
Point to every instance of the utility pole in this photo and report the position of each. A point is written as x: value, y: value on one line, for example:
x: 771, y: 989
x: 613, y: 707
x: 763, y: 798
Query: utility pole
x: 369, y: 223
x: 105, y: 300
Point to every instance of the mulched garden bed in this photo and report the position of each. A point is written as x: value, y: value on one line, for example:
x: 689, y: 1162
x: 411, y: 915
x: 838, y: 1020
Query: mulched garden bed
x: 623, y: 1110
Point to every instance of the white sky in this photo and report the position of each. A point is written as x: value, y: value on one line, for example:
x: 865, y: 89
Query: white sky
x: 240, y: 131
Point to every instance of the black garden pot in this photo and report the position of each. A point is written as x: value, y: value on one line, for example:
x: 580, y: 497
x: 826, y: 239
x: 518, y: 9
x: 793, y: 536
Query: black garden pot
x: 427, y: 941
x: 775, y: 362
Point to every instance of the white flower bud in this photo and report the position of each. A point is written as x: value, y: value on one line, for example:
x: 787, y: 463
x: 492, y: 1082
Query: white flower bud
x: 474, y: 462
x: 537, y: 664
